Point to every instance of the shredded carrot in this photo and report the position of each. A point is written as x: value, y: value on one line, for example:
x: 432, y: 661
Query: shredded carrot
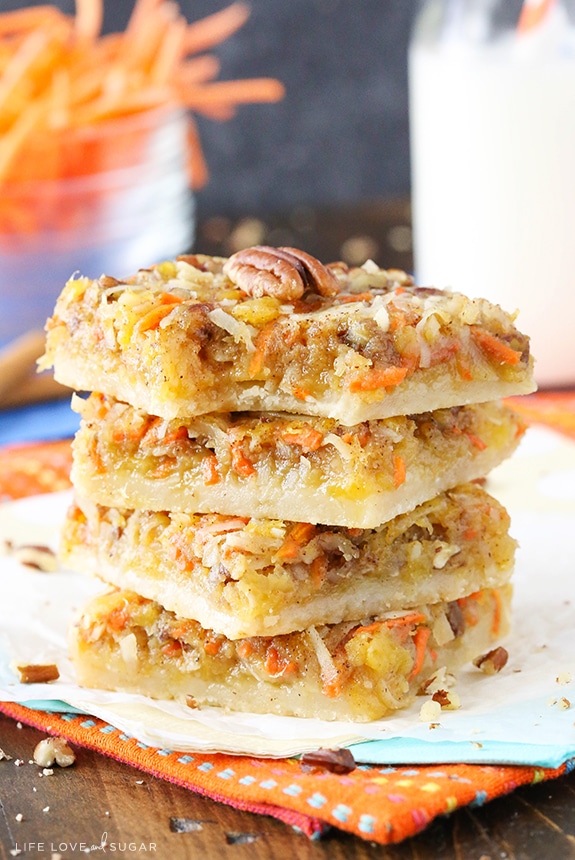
x: 95, y: 456
x: 276, y: 665
x: 88, y: 22
x: 463, y: 366
x: 307, y: 438
x: 240, y: 463
x: 301, y: 393
x: 348, y: 298
x: 318, y: 571
x: 154, y: 317
x: 497, y: 609
x: 494, y: 347
x: 210, y: 472
x: 470, y: 534
x: 183, y: 629
x: 21, y: 20
x: 233, y: 92
x: 118, y: 618
x: 476, y: 441
x: 225, y: 525
x: 364, y: 435
x: 261, y: 346
x: 176, y: 435
x: 386, y: 377
x: 172, y: 648
x: 197, y: 167
x: 398, y: 318
x: 399, y: 471
x: 420, y: 638
x: 215, y: 28
x: 213, y: 645
x: 245, y: 649
x: 533, y: 14
x: 333, y: 688
x: 405, y: 621
x: 299, y: 536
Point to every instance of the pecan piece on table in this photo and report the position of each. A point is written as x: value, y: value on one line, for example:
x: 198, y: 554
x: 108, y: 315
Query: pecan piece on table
x: 332, y: 760
x: 283, y: 273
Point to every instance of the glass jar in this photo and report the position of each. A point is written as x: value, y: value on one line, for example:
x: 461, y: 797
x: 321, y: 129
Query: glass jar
x: 492, y: 127
x: 121, y: 201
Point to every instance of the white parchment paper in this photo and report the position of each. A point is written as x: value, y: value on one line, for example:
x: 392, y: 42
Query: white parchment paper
x: 526, y: 714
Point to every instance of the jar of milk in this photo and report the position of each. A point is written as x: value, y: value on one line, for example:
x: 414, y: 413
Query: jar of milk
x: 492, y: 119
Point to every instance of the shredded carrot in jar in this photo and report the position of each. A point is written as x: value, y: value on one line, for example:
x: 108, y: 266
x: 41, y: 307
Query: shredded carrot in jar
x: 60, y: 75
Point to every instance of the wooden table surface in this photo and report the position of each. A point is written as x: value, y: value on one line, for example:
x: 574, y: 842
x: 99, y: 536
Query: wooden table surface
x: 76, y: 810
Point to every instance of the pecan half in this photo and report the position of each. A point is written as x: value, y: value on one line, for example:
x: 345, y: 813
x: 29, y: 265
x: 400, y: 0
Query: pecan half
x: 283, y: 273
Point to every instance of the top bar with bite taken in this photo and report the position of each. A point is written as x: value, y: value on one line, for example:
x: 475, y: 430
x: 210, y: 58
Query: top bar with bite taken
x: 274, y: 329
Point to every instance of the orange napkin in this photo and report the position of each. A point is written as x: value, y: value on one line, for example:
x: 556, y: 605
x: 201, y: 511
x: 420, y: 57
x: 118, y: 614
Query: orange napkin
x: 381, y: 804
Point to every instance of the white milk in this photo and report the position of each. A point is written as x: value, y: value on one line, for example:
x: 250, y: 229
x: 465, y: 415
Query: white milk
x: 493, y: 173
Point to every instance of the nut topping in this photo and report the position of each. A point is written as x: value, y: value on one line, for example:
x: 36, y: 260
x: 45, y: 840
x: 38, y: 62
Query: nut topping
x: 492, y: 662
x: 37, y: 673
x: 282, y: 273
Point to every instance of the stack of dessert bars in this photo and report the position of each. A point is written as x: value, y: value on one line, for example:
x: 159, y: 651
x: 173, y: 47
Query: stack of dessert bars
x: 278, y: 475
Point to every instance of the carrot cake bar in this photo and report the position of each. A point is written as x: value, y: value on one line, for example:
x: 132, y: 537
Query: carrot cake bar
x: 358, y: 670
x: 272, y: 329
x: 244, y: 576
x: 284, y: 466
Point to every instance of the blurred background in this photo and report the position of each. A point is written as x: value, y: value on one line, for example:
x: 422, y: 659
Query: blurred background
x: 341, y: 133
